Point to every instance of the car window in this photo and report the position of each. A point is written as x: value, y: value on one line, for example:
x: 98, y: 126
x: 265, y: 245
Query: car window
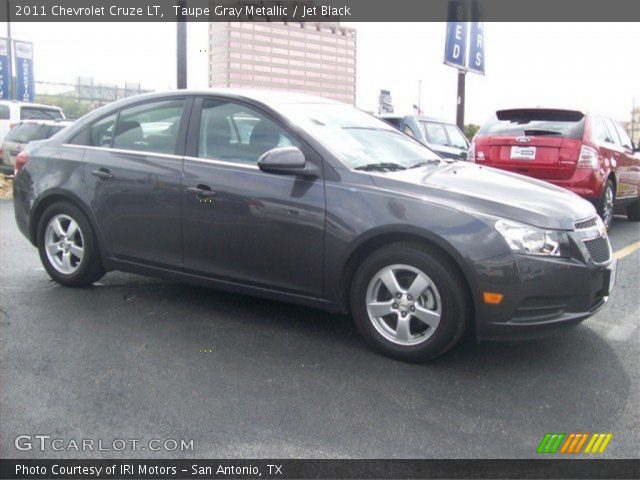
x: 625, y: 140
x: 611, y: 128
x: 409, y: 131
x: 435, y: 133
x: 40, y: 113
x: 396, y: 122
x: 235, y: 133
x: 28, y: 132
x: 101, y: 132
x: 5, y: 114
x: 536, y: 122
x: 150, y: 127
x: 456, y: 138
x: 600, y: 131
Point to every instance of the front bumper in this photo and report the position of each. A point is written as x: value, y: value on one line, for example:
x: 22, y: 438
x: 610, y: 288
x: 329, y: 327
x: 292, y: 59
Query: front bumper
x: 543, y: 295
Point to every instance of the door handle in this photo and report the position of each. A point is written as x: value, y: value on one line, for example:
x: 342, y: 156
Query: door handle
x: 202, y: 191
x: 102, y: 174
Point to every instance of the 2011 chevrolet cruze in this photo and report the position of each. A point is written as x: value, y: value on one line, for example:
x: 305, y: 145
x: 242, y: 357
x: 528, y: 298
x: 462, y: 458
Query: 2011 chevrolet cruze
x: 311, y: 201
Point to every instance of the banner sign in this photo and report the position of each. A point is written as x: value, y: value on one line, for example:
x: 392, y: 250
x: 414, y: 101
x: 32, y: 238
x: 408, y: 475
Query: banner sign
x: 26, y: 87
x: 476, y: 43
x: 455, y: 50
x: 4, y: 69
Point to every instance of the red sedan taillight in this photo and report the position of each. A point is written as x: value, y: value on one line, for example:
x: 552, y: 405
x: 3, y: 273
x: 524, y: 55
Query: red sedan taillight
x: 20, y: 162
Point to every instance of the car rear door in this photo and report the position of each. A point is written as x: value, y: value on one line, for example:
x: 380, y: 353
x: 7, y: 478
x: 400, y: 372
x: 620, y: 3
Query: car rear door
x: 240, y: 223
x: 133, y: 176
x: 540, y: 143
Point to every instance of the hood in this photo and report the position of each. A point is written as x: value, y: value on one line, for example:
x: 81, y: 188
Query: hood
x: 475, y: 188
x: 449, y: 152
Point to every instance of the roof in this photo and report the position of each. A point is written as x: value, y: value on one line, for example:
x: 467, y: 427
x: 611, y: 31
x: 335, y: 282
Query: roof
x: 29, y: 104
x: 267, y: 97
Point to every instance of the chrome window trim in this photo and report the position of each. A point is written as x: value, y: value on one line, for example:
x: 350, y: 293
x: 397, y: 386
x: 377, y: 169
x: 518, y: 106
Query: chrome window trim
x: 165, y: 155
x: 223, y: 163
x: 124, y: 151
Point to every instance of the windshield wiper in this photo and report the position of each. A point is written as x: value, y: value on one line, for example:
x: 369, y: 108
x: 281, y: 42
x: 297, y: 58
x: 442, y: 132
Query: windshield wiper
x: 426, y: 162
x: 382, y: 166
x: 533, y: 133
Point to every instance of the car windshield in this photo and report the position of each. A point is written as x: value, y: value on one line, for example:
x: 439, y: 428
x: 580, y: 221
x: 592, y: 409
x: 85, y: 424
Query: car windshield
x: 360, y: 140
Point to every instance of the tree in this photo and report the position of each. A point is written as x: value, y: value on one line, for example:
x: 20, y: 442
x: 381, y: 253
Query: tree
x: 470, y: 130
x: 72, y: 107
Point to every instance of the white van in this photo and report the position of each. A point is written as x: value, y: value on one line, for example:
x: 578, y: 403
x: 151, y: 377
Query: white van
x: 12, y: 112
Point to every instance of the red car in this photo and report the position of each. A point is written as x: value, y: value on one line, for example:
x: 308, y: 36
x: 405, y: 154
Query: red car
x: 591, y: 155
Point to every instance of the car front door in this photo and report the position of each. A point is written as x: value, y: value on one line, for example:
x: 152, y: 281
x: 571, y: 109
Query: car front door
x: 133, y: 179
x: 242, y: 224
x: 630, y: 162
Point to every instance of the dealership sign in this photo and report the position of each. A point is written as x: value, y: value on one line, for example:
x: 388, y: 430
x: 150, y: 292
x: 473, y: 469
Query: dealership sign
x: 464, y: 45
x: 4, y: 69
x: 26, y: 89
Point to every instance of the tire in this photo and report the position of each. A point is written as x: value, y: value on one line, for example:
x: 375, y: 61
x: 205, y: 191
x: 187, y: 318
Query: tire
x: 446, y: 295
x: 73, y: 261
x: 633, y: 211
x: 605, y: 204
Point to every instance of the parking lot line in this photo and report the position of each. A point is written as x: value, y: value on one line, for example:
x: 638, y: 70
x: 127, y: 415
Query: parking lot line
x: 628, y: 250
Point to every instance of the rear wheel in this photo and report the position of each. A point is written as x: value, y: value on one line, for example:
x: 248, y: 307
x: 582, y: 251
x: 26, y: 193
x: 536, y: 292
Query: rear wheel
x: 605, y: 208
x: 409, y: 302
x: 633, y: 211
x: 67, y: 246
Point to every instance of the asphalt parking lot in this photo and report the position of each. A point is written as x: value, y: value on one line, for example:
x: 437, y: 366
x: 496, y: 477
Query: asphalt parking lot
x: 134, y: 357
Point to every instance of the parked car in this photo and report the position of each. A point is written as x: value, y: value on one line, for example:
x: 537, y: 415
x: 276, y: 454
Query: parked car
x: 442, y: 137
x: 12, y: 112
x: 21, y: 134
x: 317, y: 203
x: 591, y: 155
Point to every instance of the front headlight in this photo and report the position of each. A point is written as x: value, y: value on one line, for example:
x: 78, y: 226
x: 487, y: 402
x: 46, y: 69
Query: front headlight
x: 531, y: 240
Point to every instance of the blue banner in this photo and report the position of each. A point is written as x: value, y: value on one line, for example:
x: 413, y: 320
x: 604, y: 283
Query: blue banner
x: 26, y: 86
x: 476, y: 42
x: 4, y: 69
x: 455, y: 53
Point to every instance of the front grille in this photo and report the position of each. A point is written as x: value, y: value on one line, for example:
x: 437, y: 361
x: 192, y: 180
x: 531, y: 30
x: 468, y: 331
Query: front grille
x: 589, y: 222
x: 599, y: 249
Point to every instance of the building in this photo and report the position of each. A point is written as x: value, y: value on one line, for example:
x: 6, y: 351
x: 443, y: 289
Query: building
x: 314, y: 58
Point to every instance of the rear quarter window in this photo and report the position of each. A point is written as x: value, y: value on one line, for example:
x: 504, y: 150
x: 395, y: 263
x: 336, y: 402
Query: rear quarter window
x: 535, y: 123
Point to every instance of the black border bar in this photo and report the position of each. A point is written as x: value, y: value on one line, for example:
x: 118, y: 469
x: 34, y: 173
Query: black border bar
x: 307, y: 469
x: 312, y: 10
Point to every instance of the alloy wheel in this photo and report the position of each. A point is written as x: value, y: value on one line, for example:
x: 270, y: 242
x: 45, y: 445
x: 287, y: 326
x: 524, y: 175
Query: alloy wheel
x: 404, y: 305
x: 64, y: 244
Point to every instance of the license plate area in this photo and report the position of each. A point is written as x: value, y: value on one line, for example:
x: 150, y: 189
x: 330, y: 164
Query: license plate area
x: 523, y: 153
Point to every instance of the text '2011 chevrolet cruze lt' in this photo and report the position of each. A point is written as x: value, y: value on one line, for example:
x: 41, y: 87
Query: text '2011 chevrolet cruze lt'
x: 311, y: 201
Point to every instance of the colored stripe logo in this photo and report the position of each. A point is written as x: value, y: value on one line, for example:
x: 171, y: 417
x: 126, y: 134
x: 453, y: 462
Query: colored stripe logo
x: 574, y: 443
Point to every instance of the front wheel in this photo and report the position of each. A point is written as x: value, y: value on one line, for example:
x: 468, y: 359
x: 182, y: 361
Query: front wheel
x: 67, y: 246
x: 409, y: 302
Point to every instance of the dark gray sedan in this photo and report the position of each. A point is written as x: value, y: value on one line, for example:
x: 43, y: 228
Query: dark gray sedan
x: 311, y: 201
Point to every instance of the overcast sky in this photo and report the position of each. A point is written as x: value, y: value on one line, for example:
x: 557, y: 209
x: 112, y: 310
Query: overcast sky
x: 592, y: 66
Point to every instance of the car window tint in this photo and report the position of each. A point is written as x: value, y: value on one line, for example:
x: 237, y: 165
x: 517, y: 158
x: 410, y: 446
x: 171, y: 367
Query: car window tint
x: 101, y: 132
x: 396, y: 122
x: 4, y: 112
x: 456, y: 138
x: 435, y: 133
x: 236, y: 133
x: 151, y: 127
x: 625, y: 140
x: 39, y: 113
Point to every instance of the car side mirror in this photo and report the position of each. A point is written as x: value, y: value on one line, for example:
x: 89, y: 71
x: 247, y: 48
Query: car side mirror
x: 285, y: 161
